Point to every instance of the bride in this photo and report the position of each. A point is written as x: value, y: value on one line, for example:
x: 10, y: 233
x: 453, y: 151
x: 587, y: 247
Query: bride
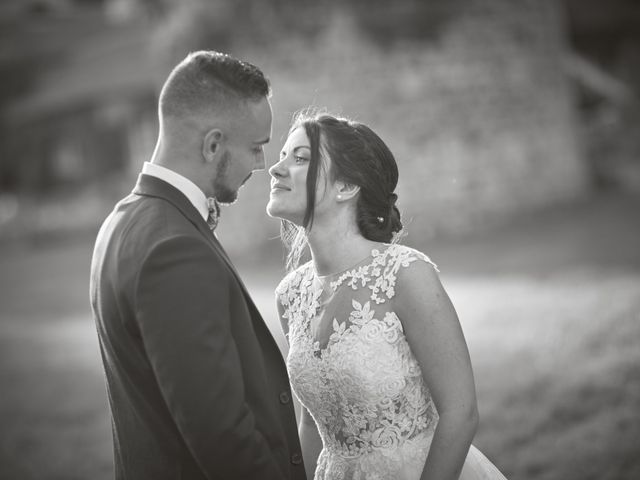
x: 377, y: 357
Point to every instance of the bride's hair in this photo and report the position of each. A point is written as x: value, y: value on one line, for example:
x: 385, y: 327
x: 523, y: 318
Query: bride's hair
x: 357, y: 156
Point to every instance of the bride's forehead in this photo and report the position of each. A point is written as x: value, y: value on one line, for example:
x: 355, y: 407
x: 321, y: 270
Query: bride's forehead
x: 298, y: 137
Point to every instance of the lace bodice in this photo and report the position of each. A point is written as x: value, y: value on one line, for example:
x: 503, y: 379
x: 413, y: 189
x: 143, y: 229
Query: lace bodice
x: 351, y: 366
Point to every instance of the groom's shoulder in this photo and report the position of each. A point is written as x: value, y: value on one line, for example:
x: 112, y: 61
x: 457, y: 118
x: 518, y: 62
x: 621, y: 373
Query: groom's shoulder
x: 157, y: 216
x: 137, y: 223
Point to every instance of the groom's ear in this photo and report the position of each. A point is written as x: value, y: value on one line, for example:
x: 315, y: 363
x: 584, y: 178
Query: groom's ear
x: 211, y: 145
x: 346, y: 191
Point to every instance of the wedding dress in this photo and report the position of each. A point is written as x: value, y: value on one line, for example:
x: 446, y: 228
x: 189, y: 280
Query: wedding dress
x: 358, y: 378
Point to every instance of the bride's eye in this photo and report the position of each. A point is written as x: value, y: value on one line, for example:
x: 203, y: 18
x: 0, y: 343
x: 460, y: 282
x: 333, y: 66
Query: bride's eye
x: 300, y: 159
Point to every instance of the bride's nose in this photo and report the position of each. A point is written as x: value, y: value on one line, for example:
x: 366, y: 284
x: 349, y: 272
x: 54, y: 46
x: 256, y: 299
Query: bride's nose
x: 278, y: 169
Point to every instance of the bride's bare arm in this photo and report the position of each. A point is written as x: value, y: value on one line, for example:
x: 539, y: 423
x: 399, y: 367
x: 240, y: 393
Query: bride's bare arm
x: 433, y: 331
x: 310, y: 441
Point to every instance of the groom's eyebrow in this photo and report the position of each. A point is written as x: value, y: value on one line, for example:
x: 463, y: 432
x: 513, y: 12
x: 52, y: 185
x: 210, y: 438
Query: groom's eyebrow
x: 262, y: 142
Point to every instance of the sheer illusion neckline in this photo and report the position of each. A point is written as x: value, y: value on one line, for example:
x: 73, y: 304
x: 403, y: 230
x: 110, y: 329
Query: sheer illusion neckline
x: 326, y: 289
x: 373, y: 253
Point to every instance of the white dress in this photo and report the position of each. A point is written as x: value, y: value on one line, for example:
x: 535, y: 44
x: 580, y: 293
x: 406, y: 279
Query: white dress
x: 359, y: 379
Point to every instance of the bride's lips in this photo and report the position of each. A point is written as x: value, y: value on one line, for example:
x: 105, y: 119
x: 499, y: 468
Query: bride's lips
x: 277, y: 187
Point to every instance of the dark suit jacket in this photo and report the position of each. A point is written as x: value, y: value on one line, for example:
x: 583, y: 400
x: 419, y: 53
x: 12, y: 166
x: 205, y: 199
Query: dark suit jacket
x: 197, y: 385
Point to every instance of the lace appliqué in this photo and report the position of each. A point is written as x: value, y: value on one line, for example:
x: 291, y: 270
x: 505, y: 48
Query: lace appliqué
x: 380, y: 275
x: 364, y: 389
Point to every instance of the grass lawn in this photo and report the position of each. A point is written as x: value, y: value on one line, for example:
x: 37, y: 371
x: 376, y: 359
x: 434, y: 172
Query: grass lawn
x: 553, y: 331
x: 558, y: 373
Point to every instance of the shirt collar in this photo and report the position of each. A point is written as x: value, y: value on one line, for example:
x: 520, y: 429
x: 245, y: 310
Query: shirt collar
x: 186, y: 186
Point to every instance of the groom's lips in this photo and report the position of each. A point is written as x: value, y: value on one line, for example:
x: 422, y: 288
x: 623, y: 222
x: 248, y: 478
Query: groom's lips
x: 246, y: 179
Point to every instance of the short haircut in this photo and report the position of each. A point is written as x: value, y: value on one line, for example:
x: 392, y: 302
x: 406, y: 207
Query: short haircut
x: 207, y: 80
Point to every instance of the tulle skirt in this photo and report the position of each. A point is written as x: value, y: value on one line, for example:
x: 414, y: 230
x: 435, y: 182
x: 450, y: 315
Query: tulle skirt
x: 403, y: 462
x: 479, y: 467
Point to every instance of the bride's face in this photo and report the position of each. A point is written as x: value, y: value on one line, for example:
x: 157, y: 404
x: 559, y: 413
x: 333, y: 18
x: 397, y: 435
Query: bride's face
x: 288, y: 197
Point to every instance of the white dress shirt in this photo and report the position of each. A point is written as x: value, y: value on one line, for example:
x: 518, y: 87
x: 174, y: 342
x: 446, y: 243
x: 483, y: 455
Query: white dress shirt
x: 186, y: 186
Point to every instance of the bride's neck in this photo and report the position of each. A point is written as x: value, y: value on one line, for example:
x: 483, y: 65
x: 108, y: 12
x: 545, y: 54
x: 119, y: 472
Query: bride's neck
x: 335, y: 248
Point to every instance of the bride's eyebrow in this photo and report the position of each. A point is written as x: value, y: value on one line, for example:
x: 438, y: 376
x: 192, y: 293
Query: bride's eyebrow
x: 295, y: 150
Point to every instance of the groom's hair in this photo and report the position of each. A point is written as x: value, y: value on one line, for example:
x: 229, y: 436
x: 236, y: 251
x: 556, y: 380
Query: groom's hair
x: 209, y: 81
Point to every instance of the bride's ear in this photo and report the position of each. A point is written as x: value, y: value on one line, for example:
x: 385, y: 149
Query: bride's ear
x: 346, y: 191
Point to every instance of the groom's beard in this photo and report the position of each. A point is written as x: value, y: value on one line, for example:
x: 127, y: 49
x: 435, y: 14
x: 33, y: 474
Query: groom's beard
x: 224, y: 193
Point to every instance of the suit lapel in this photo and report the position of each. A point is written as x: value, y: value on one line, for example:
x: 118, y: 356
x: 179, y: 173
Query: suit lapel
x: 154, y: 187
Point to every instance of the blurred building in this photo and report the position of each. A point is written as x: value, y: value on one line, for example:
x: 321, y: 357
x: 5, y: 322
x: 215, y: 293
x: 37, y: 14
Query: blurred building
x: 473, y: 96
x: 481, y: 118
x: 89, y: 95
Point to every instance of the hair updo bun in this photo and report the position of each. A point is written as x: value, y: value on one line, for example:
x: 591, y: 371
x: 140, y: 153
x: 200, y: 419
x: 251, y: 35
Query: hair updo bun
x: 378, y: 225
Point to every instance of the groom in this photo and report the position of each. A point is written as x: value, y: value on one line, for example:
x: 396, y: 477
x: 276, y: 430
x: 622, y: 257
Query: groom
x: 197, y: 386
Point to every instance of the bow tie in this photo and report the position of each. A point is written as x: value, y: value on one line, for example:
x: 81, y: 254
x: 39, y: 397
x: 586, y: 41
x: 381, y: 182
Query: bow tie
x: 214, y: 213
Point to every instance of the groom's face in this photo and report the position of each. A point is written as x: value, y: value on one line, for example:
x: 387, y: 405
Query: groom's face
x: 244, y: 151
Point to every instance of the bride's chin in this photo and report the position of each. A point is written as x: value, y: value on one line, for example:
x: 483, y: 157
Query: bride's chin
x: 274, y: 212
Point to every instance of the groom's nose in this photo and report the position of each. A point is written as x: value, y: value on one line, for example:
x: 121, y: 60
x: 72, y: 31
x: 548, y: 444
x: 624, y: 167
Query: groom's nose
x: 260, y: 162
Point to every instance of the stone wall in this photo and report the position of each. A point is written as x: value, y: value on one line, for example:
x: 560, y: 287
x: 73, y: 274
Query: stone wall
x: 481, y: 121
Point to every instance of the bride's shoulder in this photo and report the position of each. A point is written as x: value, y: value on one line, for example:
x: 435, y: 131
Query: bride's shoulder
x: 405, y: 256
x: 417, y: 276
x: 293, y: 280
